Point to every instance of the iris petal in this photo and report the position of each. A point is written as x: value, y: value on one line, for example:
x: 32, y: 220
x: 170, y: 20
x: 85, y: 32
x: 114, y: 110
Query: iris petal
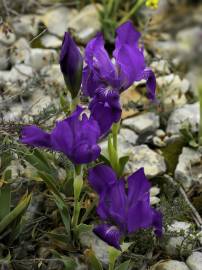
x: 109, y: 234
x: 34, y: 136
x: 76, y: 138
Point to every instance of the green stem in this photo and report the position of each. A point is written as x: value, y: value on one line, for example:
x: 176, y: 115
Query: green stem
x: 74, y: 103
x: 76, y: 213
x: 132, y: 12
x: 78, y: 184
x: 115, y: 130
x: 200, y: 121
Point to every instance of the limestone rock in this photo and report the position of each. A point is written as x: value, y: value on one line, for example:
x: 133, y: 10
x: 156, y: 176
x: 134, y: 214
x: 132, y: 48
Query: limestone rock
x: 143, y: 156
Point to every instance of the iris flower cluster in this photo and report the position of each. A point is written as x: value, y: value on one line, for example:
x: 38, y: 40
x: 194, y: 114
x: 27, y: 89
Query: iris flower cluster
x: 124, y: 206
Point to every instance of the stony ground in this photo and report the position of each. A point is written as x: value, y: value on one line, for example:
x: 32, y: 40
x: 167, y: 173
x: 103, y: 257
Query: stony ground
x: 160, y: 137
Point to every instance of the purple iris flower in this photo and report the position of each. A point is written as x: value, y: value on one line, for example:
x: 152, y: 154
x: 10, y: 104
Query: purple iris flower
x: 104, y: 79
x: 124, y: 212
x: 76, y: 137
x: 71, y: 64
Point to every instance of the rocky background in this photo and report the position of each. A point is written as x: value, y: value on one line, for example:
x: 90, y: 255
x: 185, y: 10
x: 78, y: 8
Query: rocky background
x: 161, y: 137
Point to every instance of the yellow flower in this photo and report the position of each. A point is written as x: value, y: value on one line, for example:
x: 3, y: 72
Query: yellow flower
x: 152, y: 3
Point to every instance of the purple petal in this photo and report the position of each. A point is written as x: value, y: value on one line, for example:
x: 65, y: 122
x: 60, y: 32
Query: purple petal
x: 98, y: 59
x: 90, y: 82
x: 117, y: 204
x: 34, y: 136
x: 101, y: 177
x: 131, y: 65
x: 139, y: 210
x: 126, y: 35
x: 150, y: 83
x: 71, y: 63
x: 109, y: 234
x: 138, y: 186
x: 77, y: 138
x: 140, y: 215
x: 105, y: 111
x: 157, y: 222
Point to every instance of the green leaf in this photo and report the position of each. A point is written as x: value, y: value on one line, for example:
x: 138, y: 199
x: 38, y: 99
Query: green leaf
x: 83, y: 228
x: 39, y: 160
x: 113, y: 255
x: 5, y: 200
x: 15, y: 213
x: 69, y: 263
x: 63, y: 209
x: 112, y: 154
x: 93, y: 262
x: 123, y: 266
x: 58, y: 237
x: 122, y: 163
x: 50, y: 182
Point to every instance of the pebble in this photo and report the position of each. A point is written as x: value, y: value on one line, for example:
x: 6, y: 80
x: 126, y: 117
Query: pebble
x: 51, y: 41
x: 4, y: 60
x: 99, y: 247
x: 189, y: 112
x: 143, y: 156
x: 20, y: 52
x: 161, y: 67
x: 188, y: 169
x: 142, y: 123
x: 26, y: 25
x: 19, y: 72
x: 6, y: 37
x: 53, y: 75
x: 170, y: 265
x: 175, y: 242
x: 194, y: 261
x: 57, y: 19
x: 42, y: 57
x: 86, y: 23
x: 173, y: 91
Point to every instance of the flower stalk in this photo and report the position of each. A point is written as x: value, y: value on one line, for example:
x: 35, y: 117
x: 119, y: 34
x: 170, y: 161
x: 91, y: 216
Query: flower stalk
x: 200, y: 121
x: 78, y: 184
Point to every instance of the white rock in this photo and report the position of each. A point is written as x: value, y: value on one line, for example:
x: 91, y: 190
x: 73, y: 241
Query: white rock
x: 175, y: 242
x: 188, y: 169
x: 26, y: 25
x: 194, y: 261
x: 40, y: 102
x: 189, y: 112
x: 126, y: 140
x: 154, y: 200
x: 143, y: 156
x: 161, y: 67
x: 143, y: 123
x: 188, y: 37
x: 57, y: 19
x: 154, y: 191
x: 173, y: 89
x: 87, y: 22
x: 14, y: 113
x: 20, y: 52
x: 4, y: 60
x: 158, y: 141
x: 128, y: 136
x: 53, y: 75
x: 99, y: 247
x: 6, y: 37
x: 42, y: 57
x: 160, y: 133
x: 51, y: 41
x: 19, y: 72
x: 170, y: 265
